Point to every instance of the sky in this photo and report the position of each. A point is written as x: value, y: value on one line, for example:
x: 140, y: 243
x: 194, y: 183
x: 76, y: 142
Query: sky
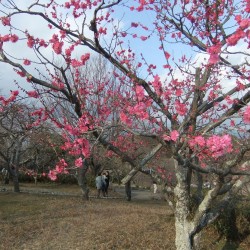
x: 19, y: 50
x: 149, y: 48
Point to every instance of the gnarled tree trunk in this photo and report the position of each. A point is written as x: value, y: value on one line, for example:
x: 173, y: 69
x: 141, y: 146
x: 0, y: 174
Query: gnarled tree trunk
x: 82, y: 181
x: 128, y: 190
x: 183, y: 225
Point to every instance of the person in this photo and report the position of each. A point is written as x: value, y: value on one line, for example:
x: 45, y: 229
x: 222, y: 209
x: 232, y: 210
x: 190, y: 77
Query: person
x: 99, y: 184
x: 154, y: 187
x: 104, y: 177
x: 107, y: 183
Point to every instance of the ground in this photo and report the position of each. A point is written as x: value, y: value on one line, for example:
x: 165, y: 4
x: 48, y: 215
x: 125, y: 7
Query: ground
x: 62, y: 220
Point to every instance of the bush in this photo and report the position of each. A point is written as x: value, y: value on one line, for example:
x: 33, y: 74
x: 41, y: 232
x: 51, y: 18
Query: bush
x: 66, y: 179
x: 234, y: 222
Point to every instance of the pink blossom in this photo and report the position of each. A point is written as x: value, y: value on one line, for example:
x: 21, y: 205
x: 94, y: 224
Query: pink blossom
x: 219, y: 145
x: 5, y: 38
x: 174, y: 135
x: 61, y: 165
x: 166, y: 137
x: 200, y: 141
x: 26, y: 62
x: 57, y: 47
x: 240, y: 85
x: 124, y: 34
x: 124, y: 118
x: 15, y: 93
x: 166, y: 66
x: 157, y: 84
x: 135, y: 25
x: 5, y: 21
x: 52, y: 175
x: 143, y: 38
x: 178, y: 92
x: 58, y: 84
x: 233, y: 39
x: 167, y: 55
x: 30, y: 41
x: 85, y: 58
x: 32, y: 94
x: 14, y: 38
x: 214, y: 51
x: 102, y: 30
x: 42, y: 43
x: 139, y: 92
x: 67, y: 5
x: 245, y: 23
x: 181, y: 108
x: 78, y: 162
x: 75, y: 63
x: 246, y: 115
x: 140, y: 109
x: 213, y: 59
x: 85, y: 149
x: 63, y: 33
x: 20, y: 73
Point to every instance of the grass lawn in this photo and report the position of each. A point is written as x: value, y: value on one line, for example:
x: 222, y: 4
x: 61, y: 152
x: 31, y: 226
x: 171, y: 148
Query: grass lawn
x: 33, y: 221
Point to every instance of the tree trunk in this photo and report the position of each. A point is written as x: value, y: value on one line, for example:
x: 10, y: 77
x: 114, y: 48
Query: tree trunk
x: 183, y: 224
x: 128, y: 190
x: 14, y: 175
x: 82, y: 181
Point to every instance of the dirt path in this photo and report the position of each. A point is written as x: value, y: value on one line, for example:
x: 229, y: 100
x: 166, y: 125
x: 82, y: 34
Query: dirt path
x: 117, y: 192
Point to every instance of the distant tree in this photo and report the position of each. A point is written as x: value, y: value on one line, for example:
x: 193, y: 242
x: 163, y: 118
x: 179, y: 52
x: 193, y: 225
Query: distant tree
x: 14, y: 131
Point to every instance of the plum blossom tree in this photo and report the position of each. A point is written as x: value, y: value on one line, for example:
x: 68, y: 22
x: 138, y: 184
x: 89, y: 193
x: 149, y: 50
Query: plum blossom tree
x: 182, y: 78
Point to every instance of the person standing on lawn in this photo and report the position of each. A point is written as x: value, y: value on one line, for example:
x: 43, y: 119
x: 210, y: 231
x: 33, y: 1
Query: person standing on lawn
x: 104, y: 184
x: 99, y: 182
x: 107, y: 182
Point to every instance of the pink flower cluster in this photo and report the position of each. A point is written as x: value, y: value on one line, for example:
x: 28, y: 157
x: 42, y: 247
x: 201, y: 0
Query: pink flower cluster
x: 180, y: 108
x: 78, y: 162
x: 241, y: 32
x: 12, y: 98
x: 56, y: 44
x: 246, y: 115
x: 5, y: 21
x: 157, y: 85
x: 60, y: 169
x: 78, y: 63
x: 139, y: 90
x: 79, y: 146
x: 33, y: 94
x: 214, y: 52
x: 214, y: 146
x: 125, y: 119
x: 9, y: 38
x: 174, y: 135
x: 140, y: 110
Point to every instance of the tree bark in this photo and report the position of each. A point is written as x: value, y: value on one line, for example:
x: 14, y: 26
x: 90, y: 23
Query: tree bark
x: 128, y: 190
x: 82, y: 181
x: 14, y: 175
x: 183, y: 224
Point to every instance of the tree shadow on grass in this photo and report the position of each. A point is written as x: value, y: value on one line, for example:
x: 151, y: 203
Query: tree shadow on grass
x: 230, y: 245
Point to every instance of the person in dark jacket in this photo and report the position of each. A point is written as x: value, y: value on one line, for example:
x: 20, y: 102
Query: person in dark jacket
x: 107, y: 179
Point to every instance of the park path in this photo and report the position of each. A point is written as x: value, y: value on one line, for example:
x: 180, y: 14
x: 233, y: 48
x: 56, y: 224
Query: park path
x: 137, y: 194
x: 117, y: 192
